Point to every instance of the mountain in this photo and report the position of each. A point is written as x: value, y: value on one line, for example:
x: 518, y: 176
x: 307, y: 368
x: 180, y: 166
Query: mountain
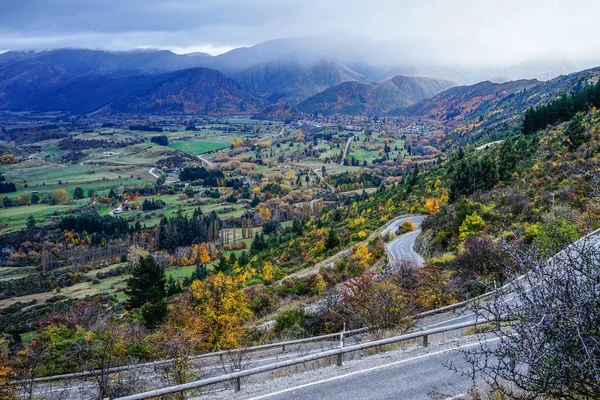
x: 23, y: 73
x: 193, y: 91
x: 356, y: 98
x: 459, y: 103
x: 294, y: 77
x: 190, y: 91
x: 488, y: 111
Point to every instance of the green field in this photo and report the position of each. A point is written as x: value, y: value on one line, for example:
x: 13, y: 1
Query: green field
x: 195, y: 147
x: 15, y: 218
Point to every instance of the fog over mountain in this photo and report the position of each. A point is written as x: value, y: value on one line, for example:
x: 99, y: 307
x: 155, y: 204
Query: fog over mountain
x: 455, y: 33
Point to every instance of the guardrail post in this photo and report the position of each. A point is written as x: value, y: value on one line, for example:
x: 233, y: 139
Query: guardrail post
x: 237, y: 383
x: 425, y: 341
x: 283, y: 348
x: 340, y: 359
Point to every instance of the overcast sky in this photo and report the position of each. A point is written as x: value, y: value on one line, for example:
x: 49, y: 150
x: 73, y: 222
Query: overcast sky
x: 465, y: 31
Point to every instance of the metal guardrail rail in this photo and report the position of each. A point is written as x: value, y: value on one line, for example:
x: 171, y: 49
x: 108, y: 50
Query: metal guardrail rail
x: 199, y: 356
x: 236, y: 376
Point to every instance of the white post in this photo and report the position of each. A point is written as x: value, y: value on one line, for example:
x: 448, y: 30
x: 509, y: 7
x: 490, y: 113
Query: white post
x: 342, y: 336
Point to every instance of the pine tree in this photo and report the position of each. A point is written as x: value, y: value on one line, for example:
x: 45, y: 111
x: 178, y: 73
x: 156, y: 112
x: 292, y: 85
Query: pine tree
x: 147, y: 284
x: 332, y: 241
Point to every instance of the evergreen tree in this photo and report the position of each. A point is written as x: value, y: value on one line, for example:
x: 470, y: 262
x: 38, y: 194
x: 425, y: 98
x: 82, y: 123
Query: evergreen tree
x: 222, y: 266
x: 78, y: 193
x: 258, y: 244
x: 146, y: 289
x: 200, y: 273
x: 332, y: 241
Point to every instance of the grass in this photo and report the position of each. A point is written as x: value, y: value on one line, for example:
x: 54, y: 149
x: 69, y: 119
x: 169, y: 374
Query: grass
x: 15, y: 218
x: 195, y: 147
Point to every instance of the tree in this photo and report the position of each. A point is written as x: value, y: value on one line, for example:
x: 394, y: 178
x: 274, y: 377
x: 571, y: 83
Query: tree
x: 200, y: 273
x: 332, y: 241
x: 363, y: 255
x: 432, y: 205
x: 405, y: 227
x: 204, y: 256
x: 471, y: 225
x: 59, y: 196
x: 146, y: 288
x: 216, y: 310
x: 78, y: 193
x: 268, y: 271
x: 551, y: 349
x: 258, y: 244
x: 31, y: 221
x: 7, y: 390
x: 575, y: 132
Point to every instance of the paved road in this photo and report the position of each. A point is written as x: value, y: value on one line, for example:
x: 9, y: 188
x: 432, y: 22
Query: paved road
x: 402, y: 248
x: 420, y: 377
x: 151, y: 172
x: 204, y: 160
x: 346, y: 150
x: 318, y: 173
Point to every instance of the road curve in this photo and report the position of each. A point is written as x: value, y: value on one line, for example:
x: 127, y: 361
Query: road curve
x: 402, y: 248
x: 204, y: 160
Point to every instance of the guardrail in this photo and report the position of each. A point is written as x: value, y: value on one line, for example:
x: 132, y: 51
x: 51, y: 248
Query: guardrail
x: 338, y: 353
x: 283, y: 345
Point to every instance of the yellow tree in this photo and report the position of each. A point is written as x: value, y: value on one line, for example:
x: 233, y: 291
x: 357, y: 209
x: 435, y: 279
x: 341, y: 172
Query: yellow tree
x: 60, y: 195
x: 202, y: 253
x: 6, y: 374
x: 432, y: 205
x: 222, y: 306
x: 471, y: 225
x: 363, y: 255
x: 268, y: 271
x: 264, y: 212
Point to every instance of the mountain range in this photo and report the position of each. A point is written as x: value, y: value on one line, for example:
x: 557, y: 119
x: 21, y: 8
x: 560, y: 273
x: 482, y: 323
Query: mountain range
x: 350, y: 75
x: 376, y: 98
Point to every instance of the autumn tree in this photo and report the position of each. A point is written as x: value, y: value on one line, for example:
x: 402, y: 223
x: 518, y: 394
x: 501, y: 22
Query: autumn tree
x: 471, y: 225
x: 362, y: 255
x: 59, y: 196
x: 7, y: 374
x: 405, y: 227
x: 432, y: 205
x: 216, y: 309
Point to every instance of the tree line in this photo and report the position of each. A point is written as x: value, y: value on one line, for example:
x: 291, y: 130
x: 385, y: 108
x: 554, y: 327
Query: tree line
x: 562, y: 109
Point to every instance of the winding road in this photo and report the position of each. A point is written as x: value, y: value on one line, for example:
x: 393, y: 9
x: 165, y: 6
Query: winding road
x: 204, y: 160
x: 402, y: 248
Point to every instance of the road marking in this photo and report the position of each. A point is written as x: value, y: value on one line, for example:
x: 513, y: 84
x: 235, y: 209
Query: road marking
x: 458, y: 396
x: 264, y: 396
x: 449, y: 320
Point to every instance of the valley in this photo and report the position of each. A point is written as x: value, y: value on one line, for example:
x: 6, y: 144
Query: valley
x: 155, y: 208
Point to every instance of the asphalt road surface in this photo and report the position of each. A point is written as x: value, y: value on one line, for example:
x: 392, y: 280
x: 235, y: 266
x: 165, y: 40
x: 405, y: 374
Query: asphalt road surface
x: 422, y: 377
x: 402, y: 248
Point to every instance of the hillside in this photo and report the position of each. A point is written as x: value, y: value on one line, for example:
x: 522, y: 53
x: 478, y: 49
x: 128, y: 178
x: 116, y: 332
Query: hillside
x: 193, y: 91
x: 295, y: 77
x: 492, y: 110
x: 373, y: 98
x: 23, y: 73
x: 198, y: 90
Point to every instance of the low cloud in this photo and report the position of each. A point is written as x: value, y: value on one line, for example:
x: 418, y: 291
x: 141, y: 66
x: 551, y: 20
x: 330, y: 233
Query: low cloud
x: 456, y: 31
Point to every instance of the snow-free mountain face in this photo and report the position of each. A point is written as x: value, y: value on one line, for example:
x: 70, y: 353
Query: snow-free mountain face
x: 377, y: 98
x: 295, y: 76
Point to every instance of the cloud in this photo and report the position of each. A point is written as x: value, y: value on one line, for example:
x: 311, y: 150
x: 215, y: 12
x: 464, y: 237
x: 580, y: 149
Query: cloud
x: 458, y: 31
